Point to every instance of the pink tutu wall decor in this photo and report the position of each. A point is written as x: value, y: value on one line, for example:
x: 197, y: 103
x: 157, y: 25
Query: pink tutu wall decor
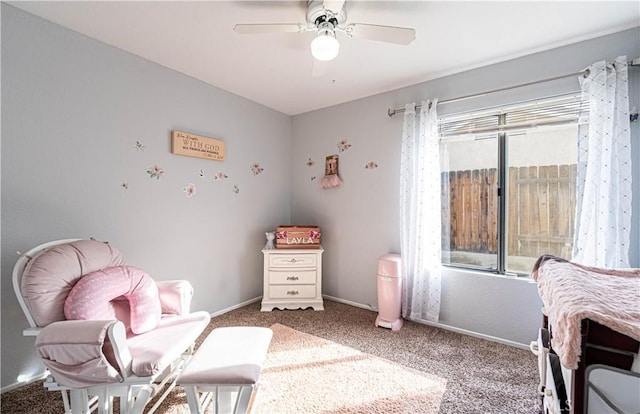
x: 331, y: 178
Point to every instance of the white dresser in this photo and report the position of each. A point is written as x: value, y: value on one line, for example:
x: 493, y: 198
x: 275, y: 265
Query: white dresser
x: 292, y: 279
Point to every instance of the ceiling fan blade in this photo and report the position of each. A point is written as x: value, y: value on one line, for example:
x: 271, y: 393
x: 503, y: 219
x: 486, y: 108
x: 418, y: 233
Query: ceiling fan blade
x: 389, y: 34
x: 268, y: 28
x: 319, y: 68
x: 334, y: 5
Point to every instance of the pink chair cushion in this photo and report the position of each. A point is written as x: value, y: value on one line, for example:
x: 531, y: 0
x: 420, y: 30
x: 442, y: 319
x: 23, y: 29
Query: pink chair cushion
x: 50, y: 275
x: 93, y: 297
x: 78, y: 353
x: 155, y: 350
x: 229, y: 355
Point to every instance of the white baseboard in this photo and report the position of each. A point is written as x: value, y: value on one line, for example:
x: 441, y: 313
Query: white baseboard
x: 473, y: 333
x: 439, y: 325
x: 24, y: 381
x: 348, y: 302
x: 239, y: 305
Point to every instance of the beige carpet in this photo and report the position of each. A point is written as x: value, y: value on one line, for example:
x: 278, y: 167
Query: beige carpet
x: 481, y: 376
x: 307, y: 374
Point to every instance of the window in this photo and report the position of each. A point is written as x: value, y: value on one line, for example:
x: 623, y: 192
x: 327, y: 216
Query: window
x: 508, y: 184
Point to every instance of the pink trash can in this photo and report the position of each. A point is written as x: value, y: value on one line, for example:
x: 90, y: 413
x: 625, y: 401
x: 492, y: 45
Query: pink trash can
x: 389, y: 292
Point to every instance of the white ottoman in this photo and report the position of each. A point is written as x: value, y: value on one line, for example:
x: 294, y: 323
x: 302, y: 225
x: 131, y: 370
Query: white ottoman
x: 229, y: 359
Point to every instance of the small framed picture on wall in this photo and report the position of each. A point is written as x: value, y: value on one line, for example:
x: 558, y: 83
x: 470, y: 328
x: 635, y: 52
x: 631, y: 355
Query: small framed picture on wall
x: 331, y: 165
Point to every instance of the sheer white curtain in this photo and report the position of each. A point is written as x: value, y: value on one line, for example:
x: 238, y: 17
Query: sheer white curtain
x: 420, y: 239
x: 603, y: 200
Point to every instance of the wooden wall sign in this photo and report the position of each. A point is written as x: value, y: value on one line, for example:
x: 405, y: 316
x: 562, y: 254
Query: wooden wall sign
x: 183, y: 143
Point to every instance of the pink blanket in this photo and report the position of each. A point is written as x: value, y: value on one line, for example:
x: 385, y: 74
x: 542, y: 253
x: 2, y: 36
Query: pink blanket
x: 571, y: 292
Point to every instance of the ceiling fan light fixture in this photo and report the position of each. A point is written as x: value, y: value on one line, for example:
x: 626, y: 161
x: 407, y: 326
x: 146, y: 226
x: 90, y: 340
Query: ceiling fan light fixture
x: 325, y: 46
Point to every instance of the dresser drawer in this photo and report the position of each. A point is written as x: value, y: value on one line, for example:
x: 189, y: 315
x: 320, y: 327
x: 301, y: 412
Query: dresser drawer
x: 292, y: 277
x: 293, y: 260
x: 292, y: 292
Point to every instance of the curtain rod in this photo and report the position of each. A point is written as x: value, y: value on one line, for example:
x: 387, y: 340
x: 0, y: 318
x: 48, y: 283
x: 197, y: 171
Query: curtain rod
x: 392, y: 112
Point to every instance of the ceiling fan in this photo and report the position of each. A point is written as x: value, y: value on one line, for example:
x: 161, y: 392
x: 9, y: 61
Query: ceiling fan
x: 327, y: 17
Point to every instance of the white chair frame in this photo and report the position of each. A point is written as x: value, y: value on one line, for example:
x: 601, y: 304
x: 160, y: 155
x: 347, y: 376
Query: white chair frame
x: 134, y: 392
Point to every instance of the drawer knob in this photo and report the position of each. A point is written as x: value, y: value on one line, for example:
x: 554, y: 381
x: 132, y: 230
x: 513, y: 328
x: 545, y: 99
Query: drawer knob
x: 293, y: 260
x: 292, y: 292
x: 293, y: 278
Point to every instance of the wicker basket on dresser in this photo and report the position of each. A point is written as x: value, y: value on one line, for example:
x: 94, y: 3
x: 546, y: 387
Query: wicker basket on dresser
x: 292, y: 279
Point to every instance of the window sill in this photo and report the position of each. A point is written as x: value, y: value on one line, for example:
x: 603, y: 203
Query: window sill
x: 488, y: 272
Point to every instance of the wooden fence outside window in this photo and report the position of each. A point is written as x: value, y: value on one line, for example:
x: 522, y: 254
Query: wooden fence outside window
x: 541, y: 205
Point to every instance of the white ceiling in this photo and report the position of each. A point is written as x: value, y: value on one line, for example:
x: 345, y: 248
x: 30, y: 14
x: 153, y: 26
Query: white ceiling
x: 196, y: 38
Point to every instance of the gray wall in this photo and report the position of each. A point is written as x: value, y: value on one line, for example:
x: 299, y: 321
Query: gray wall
x: 72, y: 111
x: 359, y: 221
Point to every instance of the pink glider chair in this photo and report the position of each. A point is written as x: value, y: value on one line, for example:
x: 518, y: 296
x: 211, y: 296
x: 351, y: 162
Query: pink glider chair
x: 104, y: 329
